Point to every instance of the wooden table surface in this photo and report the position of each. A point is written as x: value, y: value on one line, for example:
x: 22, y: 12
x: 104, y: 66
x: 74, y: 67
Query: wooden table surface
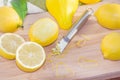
x: 76, y: 63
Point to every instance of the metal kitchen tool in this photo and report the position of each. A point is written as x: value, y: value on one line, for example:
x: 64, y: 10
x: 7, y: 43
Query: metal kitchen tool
x: 79, y: 24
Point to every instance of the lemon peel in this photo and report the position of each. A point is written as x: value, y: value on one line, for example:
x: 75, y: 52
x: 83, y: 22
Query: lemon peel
x: 108, y: 15
x: 9, y: 19
x: 110, y: 46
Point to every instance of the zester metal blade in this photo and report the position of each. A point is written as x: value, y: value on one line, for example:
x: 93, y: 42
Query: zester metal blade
x: 79, y: 23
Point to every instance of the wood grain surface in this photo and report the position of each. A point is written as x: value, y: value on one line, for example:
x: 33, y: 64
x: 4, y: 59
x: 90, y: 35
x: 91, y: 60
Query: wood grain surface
x: 77, y: 62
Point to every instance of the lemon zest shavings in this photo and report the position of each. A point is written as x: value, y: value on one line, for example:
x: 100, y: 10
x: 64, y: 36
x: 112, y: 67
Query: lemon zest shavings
x: 67, y: 69
x: 82, y: 61
x: 80, y: 43
x: 56, y: 50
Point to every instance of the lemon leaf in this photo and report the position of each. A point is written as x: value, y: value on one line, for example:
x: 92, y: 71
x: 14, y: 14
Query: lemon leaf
x: 39, y: 3
x: 21, y: 7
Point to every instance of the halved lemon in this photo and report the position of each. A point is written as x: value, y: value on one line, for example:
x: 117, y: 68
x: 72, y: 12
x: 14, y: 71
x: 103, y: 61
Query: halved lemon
x: 44, y: 31
x: 9, y: 42
x: 30, y: 56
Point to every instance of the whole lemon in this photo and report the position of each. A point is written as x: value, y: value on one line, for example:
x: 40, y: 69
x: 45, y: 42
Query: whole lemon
x: 89, y: 1
x: 108, y: 15
x: 110, y: 46
x: 9, y: 19
x: 44, y: 31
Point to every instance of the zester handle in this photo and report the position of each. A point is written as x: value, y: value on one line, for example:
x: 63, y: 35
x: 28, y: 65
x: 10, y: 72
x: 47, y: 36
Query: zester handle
x: 79, y: 23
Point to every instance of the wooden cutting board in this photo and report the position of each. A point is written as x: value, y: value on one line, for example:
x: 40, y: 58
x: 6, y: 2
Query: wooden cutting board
x: 76, y: 63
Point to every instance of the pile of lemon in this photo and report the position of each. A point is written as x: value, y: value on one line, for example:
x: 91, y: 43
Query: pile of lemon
x: 29, y: 55
x: 108, y: 16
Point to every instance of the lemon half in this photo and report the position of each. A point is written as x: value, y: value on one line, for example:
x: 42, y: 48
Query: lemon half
x: 9, y: 43
x: 44, y: 31
x: 30, y: 56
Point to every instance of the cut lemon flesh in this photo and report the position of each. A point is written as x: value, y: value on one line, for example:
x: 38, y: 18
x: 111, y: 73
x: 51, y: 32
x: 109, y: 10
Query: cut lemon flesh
x: 9, y: 43
x: 30, y: 56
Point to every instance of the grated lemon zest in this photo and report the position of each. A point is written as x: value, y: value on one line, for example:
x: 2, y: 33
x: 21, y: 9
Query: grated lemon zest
x: 56, y: 50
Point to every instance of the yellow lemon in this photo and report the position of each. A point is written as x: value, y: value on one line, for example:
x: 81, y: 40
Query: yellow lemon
x: 9, y: 19
x: 9, y: 43
x: 30, y: 56
x: 63, y: 11
x: 110, y: 46
x: 89, y: 1
x: 44, y: 31
x: 108, y: 15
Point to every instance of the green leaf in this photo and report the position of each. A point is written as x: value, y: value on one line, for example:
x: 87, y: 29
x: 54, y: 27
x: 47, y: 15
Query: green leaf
x: 39, y: 3
x: 21, y: 7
